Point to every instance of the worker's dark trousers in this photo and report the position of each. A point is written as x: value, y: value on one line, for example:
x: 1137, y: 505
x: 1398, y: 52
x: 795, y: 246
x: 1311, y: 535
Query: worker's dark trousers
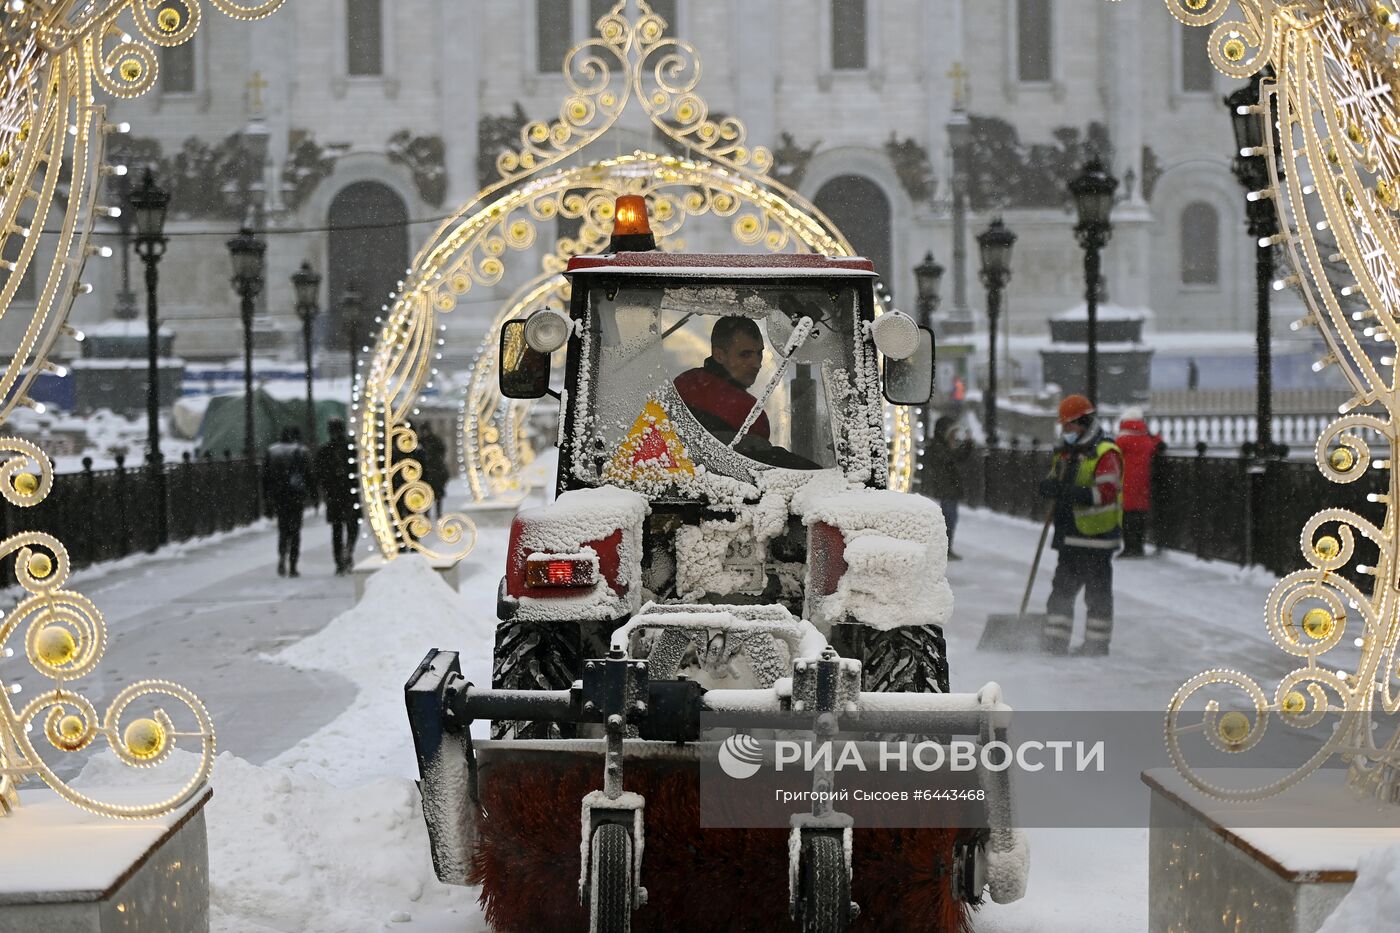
x: 289, y: 533
x: 1089, y: 569
x: 1134, y: 533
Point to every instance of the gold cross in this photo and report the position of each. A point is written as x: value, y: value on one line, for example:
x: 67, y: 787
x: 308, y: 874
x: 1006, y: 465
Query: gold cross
x: 255, y: 89
x: 959, y: 74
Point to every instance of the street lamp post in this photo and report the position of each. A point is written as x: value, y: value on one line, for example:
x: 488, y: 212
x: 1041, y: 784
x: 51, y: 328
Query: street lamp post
x: 308, y: 291
x: 149, y: 203
x: 350, y: 320
x: 247, y: 252
x: 928, y: 277
x: 1252, y: 172
x: 995, y: 245
x: 1093, y: 190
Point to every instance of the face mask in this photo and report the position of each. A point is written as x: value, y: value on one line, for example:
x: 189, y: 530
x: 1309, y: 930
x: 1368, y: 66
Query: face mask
x: 1071, y: 437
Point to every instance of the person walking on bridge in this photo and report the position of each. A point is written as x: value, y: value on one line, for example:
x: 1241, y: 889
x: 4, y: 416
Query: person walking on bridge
x: 287, y: 480
x: 1086, y: 484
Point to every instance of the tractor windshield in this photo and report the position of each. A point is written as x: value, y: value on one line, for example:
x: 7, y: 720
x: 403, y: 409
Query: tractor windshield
x: 760, y: 372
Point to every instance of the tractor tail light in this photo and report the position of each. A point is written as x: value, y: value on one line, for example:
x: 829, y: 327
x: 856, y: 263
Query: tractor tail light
x: 558, y: 571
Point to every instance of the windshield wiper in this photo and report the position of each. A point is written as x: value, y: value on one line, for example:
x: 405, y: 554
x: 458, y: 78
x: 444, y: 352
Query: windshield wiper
x: 795, y: 342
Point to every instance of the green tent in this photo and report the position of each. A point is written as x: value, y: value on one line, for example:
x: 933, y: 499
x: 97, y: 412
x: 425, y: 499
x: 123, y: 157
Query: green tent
x: 222, y: 428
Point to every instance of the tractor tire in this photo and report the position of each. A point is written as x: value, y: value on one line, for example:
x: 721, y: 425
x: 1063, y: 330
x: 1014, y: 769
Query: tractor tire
x: 534, y: 656
x: 610, y: 884
x: 825, y: 885
x: 912, y: 659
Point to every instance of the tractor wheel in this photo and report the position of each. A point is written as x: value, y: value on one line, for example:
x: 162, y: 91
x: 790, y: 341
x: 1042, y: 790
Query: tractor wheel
x: 534, y: 656
x: 912, y: 659
x: 825, y: 885
x: 610, y: 884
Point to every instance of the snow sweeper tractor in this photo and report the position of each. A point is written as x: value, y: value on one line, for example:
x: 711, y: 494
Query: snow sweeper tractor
x: 722, y: 569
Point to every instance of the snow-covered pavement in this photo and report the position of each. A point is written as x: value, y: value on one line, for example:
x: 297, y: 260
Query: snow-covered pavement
x: 315, y: 827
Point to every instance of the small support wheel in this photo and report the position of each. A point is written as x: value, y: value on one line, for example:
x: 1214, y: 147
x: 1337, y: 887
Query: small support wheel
x: 610, y: 882
x: 825, y: 884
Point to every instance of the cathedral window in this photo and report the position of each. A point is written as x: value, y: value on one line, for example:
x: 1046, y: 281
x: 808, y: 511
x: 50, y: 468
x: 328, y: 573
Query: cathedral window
x: 1200, y: 244
x: 364, y: 38
x: 1197, y: 73
x: 849, y: 26
x: 1034, y: 41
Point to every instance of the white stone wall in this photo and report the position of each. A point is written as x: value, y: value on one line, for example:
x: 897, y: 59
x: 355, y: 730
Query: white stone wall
x: 449, y: 62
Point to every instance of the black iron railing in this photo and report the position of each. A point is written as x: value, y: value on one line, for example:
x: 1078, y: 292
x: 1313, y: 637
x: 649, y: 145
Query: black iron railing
x: 103, y: 515
x: 1236, y: 509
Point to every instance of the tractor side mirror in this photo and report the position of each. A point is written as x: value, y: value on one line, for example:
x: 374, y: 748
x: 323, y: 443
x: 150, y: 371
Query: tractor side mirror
x: 910, y: 381
x: 524, y: 371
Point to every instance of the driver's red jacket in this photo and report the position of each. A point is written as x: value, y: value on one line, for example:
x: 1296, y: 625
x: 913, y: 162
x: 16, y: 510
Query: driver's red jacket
x: 709, y: 389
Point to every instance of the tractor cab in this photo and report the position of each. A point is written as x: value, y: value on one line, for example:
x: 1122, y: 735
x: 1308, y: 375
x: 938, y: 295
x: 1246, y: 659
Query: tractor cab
x: 689, y: 375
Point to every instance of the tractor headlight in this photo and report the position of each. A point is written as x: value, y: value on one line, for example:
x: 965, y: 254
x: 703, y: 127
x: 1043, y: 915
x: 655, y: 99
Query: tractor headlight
x: 895, y: 335
x: 547, y: 329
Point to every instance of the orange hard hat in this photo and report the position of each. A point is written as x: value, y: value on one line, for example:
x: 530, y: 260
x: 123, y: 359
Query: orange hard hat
x: 1075, y: 407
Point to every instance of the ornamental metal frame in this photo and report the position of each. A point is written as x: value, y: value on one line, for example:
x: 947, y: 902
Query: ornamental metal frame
x: 630, y: 60
x: 1337, y: 168
x: 55, y: 55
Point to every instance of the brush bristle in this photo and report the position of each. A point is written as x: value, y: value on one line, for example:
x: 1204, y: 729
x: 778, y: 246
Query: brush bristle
x: 700, y: 880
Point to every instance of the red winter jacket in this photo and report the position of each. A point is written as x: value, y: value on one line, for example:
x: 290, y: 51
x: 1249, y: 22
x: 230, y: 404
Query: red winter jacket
x: 708, y: 390
x: 1138, y: 448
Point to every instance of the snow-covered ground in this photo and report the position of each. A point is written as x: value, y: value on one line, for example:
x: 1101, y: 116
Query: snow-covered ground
x: 315, y: 824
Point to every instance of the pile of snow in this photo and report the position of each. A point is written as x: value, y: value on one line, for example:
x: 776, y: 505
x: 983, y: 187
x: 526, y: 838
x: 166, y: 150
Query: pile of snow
x: 290, y: 852
x: 407, y: 609
x: 1374, y: 901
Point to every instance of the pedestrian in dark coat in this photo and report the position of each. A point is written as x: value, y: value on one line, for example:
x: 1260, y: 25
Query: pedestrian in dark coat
x: 1138, y: 447
x: 287, y: 484
x: 432, y: 457
x: 337, y: 478
x: 945, y: 459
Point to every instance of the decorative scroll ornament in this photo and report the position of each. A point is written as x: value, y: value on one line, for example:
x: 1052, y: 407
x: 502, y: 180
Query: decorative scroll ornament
x: 1334, y: 171
x: 55, y: 56
x: 630, y: 59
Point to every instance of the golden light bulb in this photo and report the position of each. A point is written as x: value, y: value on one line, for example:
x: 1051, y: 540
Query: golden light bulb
x: 40, y: 565
x: 1342, y: 459
x: 55, y: 646
x: 1294, y: 702
x: 1318, y: 623
x: 1233, y: 727
x: 1327, y: 547
x: 26, y: 483
x: 144, y: 739
x: 70, y: 727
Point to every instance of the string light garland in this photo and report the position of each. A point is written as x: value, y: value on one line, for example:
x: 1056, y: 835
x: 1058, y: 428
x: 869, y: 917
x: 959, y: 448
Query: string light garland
x: 630, y: 61
x: 54, y: 58
x: 1332, y: 144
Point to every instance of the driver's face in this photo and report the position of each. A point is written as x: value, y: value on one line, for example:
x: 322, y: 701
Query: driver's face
x: 742, y: 359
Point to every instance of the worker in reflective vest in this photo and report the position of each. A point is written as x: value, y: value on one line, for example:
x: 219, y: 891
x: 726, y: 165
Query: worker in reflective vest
x: 1086, y: 484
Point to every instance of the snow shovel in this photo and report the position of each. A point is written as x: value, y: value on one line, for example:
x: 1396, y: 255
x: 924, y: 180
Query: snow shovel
x: 1020, y: 632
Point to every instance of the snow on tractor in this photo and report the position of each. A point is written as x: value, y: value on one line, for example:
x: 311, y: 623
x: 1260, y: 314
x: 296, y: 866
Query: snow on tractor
x: 722, y: 556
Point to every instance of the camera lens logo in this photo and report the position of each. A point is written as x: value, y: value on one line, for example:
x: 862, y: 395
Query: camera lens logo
x: 740, y: 756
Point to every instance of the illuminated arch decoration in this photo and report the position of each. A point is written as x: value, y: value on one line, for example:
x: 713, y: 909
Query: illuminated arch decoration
x: 55, y: 56
x: 1339, y: 170
x: 631, y: 60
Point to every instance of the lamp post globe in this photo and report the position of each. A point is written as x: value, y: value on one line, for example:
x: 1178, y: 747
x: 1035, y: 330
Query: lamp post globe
x: 1093, y: 191
x: 928, y: 279
x: 247, y: 252
x: 994, y: 245
x: 148, y: 203
x: 307, y: 285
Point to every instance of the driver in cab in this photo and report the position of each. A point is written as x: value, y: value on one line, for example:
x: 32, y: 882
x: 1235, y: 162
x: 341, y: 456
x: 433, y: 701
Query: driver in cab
x: 717, y: 392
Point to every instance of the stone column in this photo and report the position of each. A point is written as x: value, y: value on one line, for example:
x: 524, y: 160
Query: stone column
x: 1128, y: 259
x: 458, y: 89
